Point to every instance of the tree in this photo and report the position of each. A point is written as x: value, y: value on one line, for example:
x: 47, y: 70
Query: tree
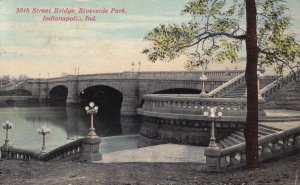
x: 218, y: 32
x: 64, y: 74
x: 22, y: 77
x: 6, y: 78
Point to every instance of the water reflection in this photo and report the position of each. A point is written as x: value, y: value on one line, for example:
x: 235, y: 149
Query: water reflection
x: 66, y: 123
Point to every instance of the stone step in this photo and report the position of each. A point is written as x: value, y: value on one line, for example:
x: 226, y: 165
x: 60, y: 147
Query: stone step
x: 263, y: 133
x: 229, y: 142
x: 267, y: 130
x: 224, y: 144
x: 269, y: 127
x: 232, y: 139
x: 239, y: 133
x: 238, y: 137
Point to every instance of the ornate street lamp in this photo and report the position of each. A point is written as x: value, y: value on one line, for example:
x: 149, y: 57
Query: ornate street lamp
x: 92, y: 109
x: 7, y: 125
x: 214, y: 115
x: 43, y: 131
x: 203, y: 78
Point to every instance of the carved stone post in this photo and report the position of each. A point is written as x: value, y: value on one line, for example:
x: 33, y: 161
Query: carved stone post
x: 213, y: 156
x: 91, y: 143
x: 5, y: 151
x: 90, y: 149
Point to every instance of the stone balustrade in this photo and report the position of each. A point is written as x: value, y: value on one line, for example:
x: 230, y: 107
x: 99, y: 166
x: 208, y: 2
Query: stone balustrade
x: 9, y: 85
x: 273, y: 87
x: 17, y: 154
x: 144, y: 75
x: 70, y: 151
x: 193, y: 106
x: 189, y: 75
x: 231, y: 84
x: 85, y: 149
x: 270, y: 146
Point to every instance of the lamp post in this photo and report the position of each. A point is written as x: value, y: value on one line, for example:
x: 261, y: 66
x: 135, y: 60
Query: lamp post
x: 139, y: 66
x: 43, y: 131
x: 92, y: 109
x: 214, y: 115
x: 203, y: 78
x: 212, y: 152
x: 7, y: 125
x: 132, y: 64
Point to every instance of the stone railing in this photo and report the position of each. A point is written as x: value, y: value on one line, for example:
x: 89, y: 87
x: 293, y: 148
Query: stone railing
x: 228, y: 86
x: 70, y: 152
x: 193, y: 107
x: 273, y: 87
x: 85, y: 149
x: 145, y: 75
x: 270, y: 146
x: 18, y: 154
x: 189, y: 75
x: 7, y: 87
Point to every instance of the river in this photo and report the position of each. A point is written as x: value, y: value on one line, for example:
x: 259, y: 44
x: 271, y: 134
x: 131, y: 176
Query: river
x: 66, y: 124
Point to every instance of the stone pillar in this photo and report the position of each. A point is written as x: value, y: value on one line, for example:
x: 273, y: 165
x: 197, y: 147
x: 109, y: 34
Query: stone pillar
x: 44, y: 91
x: 212, y: 159
x: 72, y: 90
x: 33, y: 85
x: 130, y: 121
x: 90, y: 149
x: 5, y: 151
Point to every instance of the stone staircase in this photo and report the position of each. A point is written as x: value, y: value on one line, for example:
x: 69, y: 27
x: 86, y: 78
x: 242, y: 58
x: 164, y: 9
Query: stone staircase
x: 237, y: 137
x: 237, y: 93
x: 241, y: 90
x: 283, y: 93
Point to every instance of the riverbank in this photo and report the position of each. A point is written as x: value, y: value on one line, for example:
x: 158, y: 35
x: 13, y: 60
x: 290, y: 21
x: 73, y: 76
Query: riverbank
x: 281, y: 172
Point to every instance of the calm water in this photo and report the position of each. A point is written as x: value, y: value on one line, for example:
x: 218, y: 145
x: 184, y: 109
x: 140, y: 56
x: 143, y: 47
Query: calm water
x: 66, y: 124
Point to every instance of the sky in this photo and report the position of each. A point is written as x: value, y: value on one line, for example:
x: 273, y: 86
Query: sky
x: 31, y: 46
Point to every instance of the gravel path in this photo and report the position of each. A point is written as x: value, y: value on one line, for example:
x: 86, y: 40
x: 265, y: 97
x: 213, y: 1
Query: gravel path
x: 284, y: 171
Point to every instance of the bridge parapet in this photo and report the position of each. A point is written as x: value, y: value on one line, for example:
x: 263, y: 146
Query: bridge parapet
x: 213, y: 75
x: 270, y: 146
x: 182, y: 75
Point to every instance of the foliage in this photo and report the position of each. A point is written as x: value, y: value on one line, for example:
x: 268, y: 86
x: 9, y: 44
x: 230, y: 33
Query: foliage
x: 216, y: 33
x: 8, y: 78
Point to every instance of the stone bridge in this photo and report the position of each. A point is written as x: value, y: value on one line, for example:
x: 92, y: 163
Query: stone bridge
x: 122, y: 91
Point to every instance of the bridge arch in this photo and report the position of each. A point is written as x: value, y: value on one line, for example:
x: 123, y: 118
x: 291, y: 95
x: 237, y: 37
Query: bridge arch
x: 58, y: 95
x: 109, y: 100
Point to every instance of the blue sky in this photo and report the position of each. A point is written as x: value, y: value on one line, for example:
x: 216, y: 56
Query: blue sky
x: 110, y: 44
